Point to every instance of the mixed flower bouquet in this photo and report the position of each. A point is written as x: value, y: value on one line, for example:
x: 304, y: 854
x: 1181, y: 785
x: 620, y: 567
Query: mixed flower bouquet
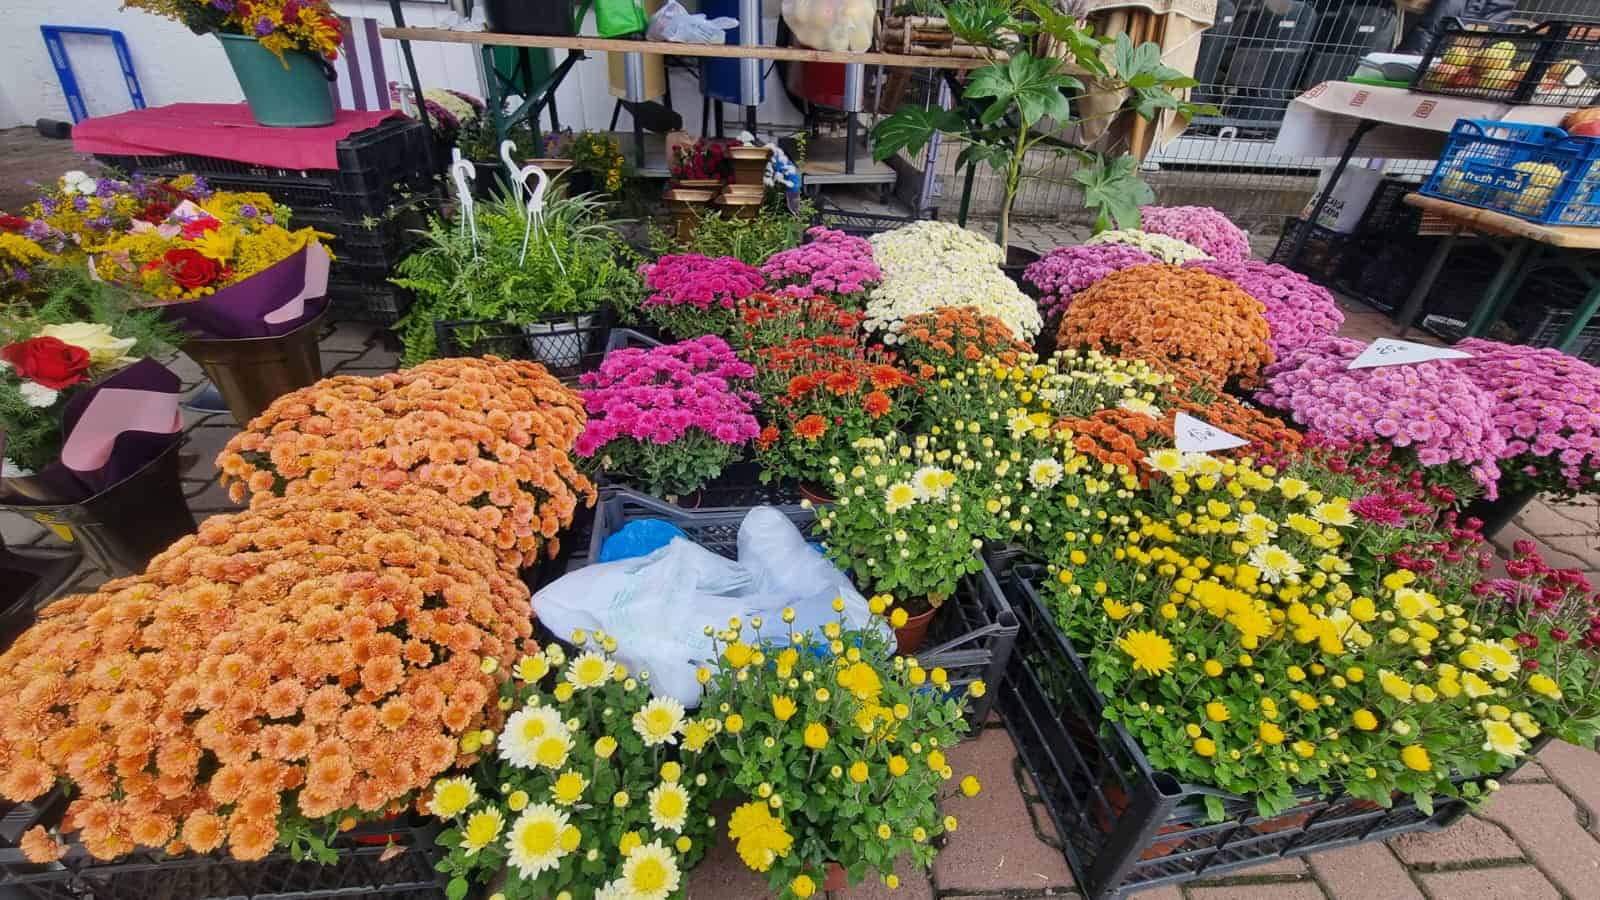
x: 69, y: 334
x: 488, y: 434
x: 1432, y: 410
x: 1165, y: 249
x: 1297, y: 309
x: 1065, y: 271
x: 592, y: 790
x: 280, y: 25
x: 820, y: 396
x: 1202, y: 227
x: 1299, y: 652
x: 270, y: 680
x: 671, y: 418
x: 950, y: 338
x: 830, y: 262
x: 198, y: 249
x: 692, y: 294
x: 1167, y: 312
x: 83, y: 214
x: 838, y: 748
x: 1546, y: 404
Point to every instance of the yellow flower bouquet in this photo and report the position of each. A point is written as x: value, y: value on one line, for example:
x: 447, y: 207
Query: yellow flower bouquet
x: 591, y: 790
x: 837, y: 747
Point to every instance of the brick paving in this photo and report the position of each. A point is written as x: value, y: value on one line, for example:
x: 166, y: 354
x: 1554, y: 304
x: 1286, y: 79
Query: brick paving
x: 1539, y: 838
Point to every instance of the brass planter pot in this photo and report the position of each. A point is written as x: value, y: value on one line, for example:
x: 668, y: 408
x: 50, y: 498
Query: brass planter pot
x: 687, y: 207
x: 250, y: 373
x: 749, y: 164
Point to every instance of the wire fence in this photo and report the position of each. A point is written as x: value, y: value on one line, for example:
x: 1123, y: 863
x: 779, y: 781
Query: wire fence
x: 1253, y: 61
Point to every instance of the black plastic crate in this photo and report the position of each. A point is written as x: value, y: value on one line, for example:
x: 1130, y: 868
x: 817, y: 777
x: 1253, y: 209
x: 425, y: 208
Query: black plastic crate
x: 1325, y: 257
x: 1550, y: 326
x: 568, y: 344
x: 378, y: 168
x: 739, y: 486
x: 1387, y: 213
x: 370, y: 869
x: 860, y: 224
x: 356, y: 301
x: 1125, y: 826
x: 1567, y: 52
x: 971, y: 638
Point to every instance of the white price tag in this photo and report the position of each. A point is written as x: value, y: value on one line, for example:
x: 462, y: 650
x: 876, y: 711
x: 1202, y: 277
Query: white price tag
x: 1193, y: 435
x: 1390, y: 352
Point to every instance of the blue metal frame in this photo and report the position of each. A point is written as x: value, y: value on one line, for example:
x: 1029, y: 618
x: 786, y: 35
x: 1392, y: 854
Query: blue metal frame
x: 69, y: 81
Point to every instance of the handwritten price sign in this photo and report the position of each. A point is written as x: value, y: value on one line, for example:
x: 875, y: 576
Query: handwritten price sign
x: 1390, y: 352
x: 1193, y: 435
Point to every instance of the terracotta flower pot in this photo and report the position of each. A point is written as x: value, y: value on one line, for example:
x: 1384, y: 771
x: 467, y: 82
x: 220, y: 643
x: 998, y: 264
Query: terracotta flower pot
x: 836, y: 879
x: 910, y: 637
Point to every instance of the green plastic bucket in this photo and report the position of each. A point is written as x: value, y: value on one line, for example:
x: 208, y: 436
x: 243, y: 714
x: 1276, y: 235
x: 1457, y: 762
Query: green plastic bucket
x: 280, y: 96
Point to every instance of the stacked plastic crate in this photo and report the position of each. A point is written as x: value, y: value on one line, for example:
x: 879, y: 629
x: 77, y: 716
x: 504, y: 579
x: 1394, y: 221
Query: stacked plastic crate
x: 372, y: 204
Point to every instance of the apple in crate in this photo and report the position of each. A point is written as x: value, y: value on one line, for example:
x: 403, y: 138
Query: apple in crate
x: 1583, y: 122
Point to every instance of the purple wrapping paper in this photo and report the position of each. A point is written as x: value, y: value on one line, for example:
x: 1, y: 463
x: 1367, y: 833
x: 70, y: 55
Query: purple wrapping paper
x: 261, y: 305
x: 130, y: 450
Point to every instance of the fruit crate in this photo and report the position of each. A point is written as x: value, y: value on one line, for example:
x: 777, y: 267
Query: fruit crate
x: 378, y: 168
x: 1126, y: 826
x: 1533, y: 172
x: 567, y: 344
x: 1551, y: 64
x: 369, y: 866
x: 970, y: 639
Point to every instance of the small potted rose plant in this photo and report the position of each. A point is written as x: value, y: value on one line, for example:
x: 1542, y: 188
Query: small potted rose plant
x: 837, y: 749
x: 591, y: 789
x: 669, y: 419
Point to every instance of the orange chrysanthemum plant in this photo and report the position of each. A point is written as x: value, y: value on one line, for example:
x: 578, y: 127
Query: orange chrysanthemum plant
x: 770, y: 320
x: 950, y: 338
x: 1192, y: 390
x: 820, y: 396
x: 272, y: 679
x: 1167, y: 312
x: 488, y: 434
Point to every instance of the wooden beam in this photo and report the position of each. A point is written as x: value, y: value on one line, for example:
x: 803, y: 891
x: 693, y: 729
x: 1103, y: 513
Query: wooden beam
x: 722, y: 51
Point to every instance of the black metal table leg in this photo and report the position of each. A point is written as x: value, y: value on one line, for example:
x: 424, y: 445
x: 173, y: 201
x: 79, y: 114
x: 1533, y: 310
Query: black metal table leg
x: 416, y: 81
x: 1407, y: 315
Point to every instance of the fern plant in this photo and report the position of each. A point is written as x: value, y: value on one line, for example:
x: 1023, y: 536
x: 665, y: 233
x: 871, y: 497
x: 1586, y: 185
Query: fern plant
x: 572, y: 265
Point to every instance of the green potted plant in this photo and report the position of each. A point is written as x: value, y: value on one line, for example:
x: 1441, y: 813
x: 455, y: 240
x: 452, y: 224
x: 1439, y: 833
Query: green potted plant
x: 279, y: 52
x: 474, y: 282
x: 1021, y: 101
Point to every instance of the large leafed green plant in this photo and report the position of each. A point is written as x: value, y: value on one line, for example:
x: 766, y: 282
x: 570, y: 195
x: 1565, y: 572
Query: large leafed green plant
x: 1021, y: 101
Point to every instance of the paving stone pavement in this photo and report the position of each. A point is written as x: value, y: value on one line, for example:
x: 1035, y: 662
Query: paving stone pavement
x: 1540, y: 838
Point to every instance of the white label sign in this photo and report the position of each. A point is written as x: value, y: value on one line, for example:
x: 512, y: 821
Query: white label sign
x: 1390, y: 352
x: 1193, y: 435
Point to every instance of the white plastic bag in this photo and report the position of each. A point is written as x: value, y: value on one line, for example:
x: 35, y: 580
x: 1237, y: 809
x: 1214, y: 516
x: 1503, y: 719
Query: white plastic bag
x: 831, y: 24
x: 657, y: 606
x: 674, y: 23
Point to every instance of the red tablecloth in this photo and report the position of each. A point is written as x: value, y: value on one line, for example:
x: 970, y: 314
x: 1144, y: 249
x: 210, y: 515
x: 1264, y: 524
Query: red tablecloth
x: 220, y: 130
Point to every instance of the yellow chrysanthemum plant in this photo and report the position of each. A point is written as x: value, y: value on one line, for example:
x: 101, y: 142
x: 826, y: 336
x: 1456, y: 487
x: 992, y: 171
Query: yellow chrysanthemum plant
x: 1245, y: 627
x: 837, y: 748
x: 592, y: 789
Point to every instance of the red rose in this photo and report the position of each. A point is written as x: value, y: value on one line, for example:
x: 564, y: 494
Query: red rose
x: 191, y: 269
x: 48, y: 361
x: 12, y: 223
x: 155, y: 213
x: 198, y: 227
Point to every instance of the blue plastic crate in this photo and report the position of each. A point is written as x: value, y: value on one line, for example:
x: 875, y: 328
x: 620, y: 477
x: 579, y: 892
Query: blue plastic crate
x: 1534, y: 172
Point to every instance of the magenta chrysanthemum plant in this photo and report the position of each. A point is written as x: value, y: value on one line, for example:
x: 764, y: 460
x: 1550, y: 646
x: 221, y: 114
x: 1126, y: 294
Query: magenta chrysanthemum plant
x: 1065, y: 271
x: 1431, y: 410
x: 671, y: 418
x: 1298, y: 310
x: 832, y: 262
x: 691, y: 294
x: 1547, y: 407
x: 1201, y: 226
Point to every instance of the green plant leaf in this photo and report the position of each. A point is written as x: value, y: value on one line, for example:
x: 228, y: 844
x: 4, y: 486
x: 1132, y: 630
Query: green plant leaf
x: 979, y: 22
x: 909, y: 129
x: 1028, y: 83
x: 1114, y: 190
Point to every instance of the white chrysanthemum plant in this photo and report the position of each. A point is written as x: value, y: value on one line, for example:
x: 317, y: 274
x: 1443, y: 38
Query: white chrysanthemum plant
x: 1164, y: 248
x: 931, y: 265
x: 592, y: 788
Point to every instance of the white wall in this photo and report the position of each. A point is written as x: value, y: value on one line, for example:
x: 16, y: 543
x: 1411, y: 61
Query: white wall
x: 175, y: 66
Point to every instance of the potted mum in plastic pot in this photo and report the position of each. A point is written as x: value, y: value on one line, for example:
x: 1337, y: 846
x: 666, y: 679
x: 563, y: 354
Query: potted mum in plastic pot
x: 279, y: 50
x: 669, y: 419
